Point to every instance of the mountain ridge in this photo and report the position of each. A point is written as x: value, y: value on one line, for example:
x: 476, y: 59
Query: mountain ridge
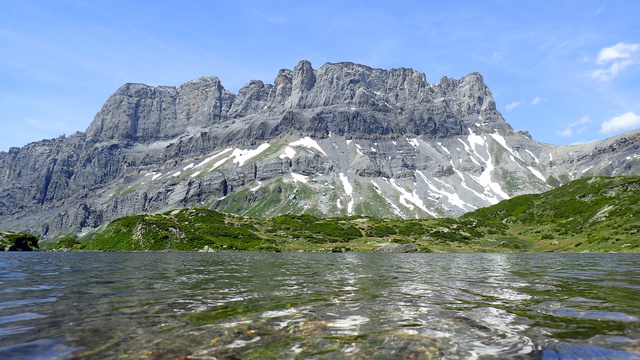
x: 594, y: 214
x: 357, y: 135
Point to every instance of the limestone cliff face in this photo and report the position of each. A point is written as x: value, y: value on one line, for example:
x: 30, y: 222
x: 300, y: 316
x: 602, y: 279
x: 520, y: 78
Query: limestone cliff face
x: 143, y: 114
x: 345, y: 98
x: 353, y: 133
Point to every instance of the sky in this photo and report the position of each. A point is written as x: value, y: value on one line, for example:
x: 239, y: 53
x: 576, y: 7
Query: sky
x: 566, y: 71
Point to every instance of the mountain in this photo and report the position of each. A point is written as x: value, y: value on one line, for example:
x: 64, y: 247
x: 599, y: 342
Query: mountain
x: 592, y: 214
x: 343, y: 139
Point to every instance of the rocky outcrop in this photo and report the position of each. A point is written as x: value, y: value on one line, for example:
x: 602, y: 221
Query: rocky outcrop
x: 395, y: 248
x: 328, y: 140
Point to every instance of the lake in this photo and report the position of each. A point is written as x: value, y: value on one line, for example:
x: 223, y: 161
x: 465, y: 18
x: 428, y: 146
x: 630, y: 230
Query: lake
x: 319, y: 306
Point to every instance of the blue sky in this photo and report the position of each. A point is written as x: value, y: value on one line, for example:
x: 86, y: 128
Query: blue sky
x: 566, y: 71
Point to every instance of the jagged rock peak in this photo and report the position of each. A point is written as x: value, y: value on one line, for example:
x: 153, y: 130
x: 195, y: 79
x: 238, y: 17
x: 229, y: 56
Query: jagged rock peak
x: 303, y: 76
x: 399, y: 101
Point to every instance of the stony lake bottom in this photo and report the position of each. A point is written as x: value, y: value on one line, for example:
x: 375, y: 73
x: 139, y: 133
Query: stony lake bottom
x: 319, y: 306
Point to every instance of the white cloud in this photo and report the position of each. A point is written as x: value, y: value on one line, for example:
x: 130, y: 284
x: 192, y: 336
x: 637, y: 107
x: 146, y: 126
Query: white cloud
x: 569, y: 130
x: 625, y: 121
x: 537, y: 100
x: 513, y: 105
x: 616, y: 58
x: 581, y: 142
x: 583, y: 121
x: 616, y: 52
x: 565, y: 133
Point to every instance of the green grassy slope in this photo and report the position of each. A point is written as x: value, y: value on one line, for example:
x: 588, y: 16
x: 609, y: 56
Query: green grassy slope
x: 594, y: 214
x: 591, y: 214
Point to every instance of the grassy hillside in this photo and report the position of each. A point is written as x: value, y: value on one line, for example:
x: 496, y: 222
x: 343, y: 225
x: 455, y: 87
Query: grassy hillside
x: 594, y: 214
x: 591, y: 214
x: 18, y: 242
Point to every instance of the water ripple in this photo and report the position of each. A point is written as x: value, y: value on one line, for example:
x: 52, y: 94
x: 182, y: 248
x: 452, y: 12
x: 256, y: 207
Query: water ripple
x: 14, y: 303
x: 579, y: 352
x: 19, y: 317
x: 336, y: 306
x: 39, y: 349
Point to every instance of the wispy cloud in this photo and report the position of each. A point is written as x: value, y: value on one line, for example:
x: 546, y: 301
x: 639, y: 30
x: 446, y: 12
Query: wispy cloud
x: 583, y: 121
x: 535, y: 101
x: 575, y: 127
x: 513, y: 105
x: 615, y: 59
x: 46, y: 125
x: 568, y: 132
x: 623, y: 122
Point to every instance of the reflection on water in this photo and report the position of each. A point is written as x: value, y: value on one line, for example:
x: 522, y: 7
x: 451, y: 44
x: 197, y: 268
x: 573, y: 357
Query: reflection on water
x: 325, y: 306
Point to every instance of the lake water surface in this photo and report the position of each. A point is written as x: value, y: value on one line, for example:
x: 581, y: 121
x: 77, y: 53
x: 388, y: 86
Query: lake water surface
x: 319, y: 306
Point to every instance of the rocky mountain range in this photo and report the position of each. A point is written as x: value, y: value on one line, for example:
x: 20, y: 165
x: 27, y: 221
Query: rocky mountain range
x: 342, y: 139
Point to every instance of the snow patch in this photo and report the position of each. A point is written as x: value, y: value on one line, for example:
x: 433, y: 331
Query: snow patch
x: 498, y: 138
x: 187, y: 167
x: 444, y: 148
x: 413, y: 142
x: 348, y: 190
x: 213, y: 157
x: 359, y: 149
x: 587, y: 169
x: 220, y: 162
x: 154, y: 175
x: 289, y: 152
x: 243, y: 155
x: 406, y: 197
x: 537, y: 173
x: 299, y: 178
x: 308, y: 143
x: 453, y: 198
x: 485, y: 180
x: 253, y: 189
x: 395, y: 208
x: 471, y: 152
x: 469, y: 207
x: 475, y: 140
x: 534, y: 157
